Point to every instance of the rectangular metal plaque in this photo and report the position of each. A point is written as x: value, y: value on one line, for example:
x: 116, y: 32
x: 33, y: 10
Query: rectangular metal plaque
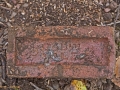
x: 86, y: 52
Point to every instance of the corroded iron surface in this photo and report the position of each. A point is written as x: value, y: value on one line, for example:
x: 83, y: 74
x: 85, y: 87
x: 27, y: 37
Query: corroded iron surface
x: 66, y: 50
x: 60, y: 51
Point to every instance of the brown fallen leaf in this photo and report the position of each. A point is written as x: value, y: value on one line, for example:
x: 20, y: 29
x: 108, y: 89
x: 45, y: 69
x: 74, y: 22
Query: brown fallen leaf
x: 117, y: 67
x: 116, y: 79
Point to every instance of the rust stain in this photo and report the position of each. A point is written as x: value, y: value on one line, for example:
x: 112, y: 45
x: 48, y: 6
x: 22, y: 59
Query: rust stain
x: 61, y: 51
x: 65, y: 50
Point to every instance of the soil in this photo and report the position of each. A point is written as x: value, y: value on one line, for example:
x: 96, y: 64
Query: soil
x: 53, y: 13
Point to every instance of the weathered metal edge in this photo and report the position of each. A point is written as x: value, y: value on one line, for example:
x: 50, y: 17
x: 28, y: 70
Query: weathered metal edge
x: 110, y: 68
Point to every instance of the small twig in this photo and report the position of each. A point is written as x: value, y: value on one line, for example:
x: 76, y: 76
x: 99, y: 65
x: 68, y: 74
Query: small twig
x: 50, y: 87
x: 3, y: 81
x: 8, y: 4
x: 36, y: 21
x: 102, y: 24
x: 98, y: 4
x: 113, y: 23
x: 36, y: 87
x: 3, y: 66
x: 10, y: 87
x: 5, y: 8
x: 118, y: 13
x: 2, y: 24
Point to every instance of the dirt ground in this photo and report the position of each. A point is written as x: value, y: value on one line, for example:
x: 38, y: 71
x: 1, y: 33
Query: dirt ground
x: 53, y: 13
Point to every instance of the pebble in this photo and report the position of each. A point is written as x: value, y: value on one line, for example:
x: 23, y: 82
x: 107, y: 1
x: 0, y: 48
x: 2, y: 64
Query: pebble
x: 69, y: 87
x: 117, y: 35
x: 5, y: 46
x: 5, y: 31
x: 108, y: 17
x: 25, y: 5
x: 55, y: 85
x: 9, y: 24
x: 113, y: 5
x: 107, y: 9
x: 23, y: 12
x: 13, y: 14
x: 1, y: 32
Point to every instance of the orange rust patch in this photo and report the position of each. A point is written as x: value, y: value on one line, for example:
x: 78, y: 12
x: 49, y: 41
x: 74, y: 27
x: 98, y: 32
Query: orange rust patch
x: 61, y: 51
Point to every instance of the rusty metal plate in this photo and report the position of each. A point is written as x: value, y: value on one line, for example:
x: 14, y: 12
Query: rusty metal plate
x: 61, y: 51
